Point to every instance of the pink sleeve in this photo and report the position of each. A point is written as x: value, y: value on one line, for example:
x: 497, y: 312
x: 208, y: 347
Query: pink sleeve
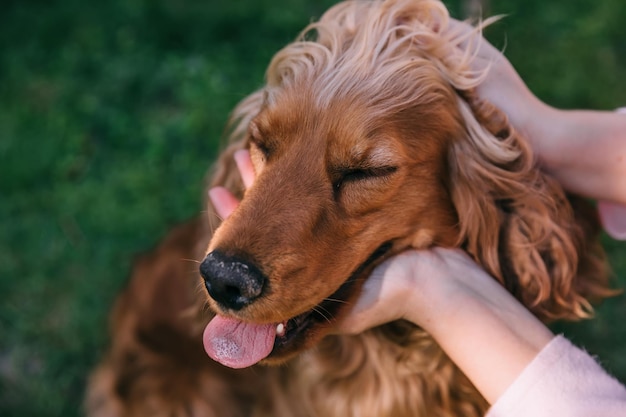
x: 562, y: 381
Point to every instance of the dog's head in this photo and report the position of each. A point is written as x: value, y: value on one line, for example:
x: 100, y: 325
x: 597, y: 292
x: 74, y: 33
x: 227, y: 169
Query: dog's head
x: 367, y: 140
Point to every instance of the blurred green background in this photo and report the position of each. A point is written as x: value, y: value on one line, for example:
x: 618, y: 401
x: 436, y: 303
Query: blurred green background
x: 111, y: 112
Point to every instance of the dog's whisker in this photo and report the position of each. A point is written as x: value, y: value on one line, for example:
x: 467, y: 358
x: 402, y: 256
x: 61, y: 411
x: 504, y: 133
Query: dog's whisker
x: 206, y: 308
x: 212, y: 228
x: 318, y: 309
x: 211, y: 224
x: 190, y: 260
x: 220, y: 218
x: 336, y: 300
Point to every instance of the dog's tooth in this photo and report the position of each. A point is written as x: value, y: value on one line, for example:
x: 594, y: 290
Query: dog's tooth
x: 280, y: 329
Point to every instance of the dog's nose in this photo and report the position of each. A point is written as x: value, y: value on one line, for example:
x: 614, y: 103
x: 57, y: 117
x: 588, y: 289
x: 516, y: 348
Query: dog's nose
x: 230, y: 281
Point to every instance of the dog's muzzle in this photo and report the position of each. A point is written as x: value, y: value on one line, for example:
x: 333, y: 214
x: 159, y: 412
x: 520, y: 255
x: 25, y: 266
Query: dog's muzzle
x: 232, y: 282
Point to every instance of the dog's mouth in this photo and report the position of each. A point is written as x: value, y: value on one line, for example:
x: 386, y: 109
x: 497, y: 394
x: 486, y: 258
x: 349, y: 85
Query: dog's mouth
x: 239, y: 344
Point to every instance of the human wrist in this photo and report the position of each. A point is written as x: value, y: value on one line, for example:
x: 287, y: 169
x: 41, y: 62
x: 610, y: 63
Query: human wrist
x: 457, y: 294
x: 490, y: 331
x: 547, y: 132
x: 445, y: 305
x: 435, y: 287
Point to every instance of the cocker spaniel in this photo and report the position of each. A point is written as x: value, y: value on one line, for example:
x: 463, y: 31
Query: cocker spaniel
x: 367, y: 139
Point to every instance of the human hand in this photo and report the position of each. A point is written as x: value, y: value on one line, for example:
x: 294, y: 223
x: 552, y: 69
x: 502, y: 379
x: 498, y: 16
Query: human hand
x: 578, y: 148
x: 419, y: 286
x: 503, y: 87
x: 612, y: 215
x: 488, y: 334
x: 480, y: 326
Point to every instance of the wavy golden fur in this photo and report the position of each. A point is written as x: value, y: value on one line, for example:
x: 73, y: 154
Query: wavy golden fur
x: 367, y: 139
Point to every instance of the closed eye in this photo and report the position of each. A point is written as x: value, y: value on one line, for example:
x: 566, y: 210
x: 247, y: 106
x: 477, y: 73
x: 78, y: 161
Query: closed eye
x: 350, y: 175
x: 256, y: 140
x: 265, y: 150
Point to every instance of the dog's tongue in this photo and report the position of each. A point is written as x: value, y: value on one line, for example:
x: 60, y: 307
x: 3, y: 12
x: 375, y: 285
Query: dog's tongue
x: 237, y: 344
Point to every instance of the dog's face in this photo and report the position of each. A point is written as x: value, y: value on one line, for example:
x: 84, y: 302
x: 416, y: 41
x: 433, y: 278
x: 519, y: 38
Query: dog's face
x: 337, y: 189
x: 367, y: 141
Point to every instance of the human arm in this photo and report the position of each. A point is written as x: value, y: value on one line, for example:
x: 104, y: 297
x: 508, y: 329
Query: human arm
x: 584, y: 150
x: 511, y: 357
x: 562, y: 380
x: 488, y: 334
x: 588, y: 152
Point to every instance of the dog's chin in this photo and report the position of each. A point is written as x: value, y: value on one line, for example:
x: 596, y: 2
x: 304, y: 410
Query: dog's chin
x: 305, y: 330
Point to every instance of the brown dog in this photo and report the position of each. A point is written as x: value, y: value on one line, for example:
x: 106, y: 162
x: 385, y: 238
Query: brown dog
x: 367, y: 140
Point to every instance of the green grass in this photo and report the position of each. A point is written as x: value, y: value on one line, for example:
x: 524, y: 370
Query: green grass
x: 110, y: 114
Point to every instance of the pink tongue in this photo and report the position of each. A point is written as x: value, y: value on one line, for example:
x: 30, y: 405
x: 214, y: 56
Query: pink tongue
x: 237, y: 344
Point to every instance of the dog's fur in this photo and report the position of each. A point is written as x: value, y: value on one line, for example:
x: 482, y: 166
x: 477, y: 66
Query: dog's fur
x: 367, y: 139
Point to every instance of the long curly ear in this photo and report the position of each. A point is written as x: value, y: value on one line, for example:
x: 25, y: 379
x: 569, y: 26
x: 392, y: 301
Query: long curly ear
x: 518, y: 223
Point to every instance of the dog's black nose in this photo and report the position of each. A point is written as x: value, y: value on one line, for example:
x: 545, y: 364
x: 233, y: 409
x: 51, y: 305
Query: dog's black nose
x: 230, y: 281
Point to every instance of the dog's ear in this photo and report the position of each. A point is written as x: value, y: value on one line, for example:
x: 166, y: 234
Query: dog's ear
x: 225, y: 172
x: 518, y: 223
